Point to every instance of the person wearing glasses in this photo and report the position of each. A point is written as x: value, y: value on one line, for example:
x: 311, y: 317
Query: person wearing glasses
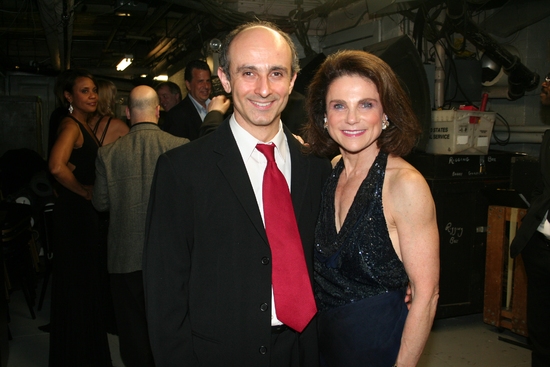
x: 532, y: 240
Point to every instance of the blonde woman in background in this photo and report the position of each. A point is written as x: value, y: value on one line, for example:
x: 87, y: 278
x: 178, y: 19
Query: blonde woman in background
x: 107, y: 129
x: 105, y: 125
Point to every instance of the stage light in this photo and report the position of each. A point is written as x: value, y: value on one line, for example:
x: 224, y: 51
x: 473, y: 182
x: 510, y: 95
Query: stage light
x: 125, y: 62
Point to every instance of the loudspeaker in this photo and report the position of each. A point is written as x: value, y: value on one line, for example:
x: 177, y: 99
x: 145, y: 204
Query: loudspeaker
x: 401, y: 55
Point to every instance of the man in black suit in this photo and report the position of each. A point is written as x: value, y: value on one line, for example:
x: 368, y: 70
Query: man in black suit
x: 532, y: 240
x: 186, y: 117
x: 207, y: 261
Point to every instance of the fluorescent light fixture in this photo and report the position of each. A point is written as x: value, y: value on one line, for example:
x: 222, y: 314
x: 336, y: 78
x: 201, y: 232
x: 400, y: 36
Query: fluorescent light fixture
x: 162, y: 78
x: 125, y: 62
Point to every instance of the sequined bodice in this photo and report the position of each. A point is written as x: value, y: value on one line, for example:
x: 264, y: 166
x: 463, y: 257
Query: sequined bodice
x: 359, y: 261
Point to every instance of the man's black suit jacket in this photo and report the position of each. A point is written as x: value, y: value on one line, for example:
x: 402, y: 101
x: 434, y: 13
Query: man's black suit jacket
x: 540, y: 201
x: 207, y: 261
x: 183, y: 120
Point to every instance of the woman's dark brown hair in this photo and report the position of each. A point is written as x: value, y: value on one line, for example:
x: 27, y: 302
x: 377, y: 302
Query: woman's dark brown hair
x: 401, y: 135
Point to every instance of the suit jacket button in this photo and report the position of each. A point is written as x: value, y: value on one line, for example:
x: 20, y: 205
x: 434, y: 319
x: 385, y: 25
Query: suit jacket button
x: 264, y: 307
x: 263, y: 350
x: 265, y: 260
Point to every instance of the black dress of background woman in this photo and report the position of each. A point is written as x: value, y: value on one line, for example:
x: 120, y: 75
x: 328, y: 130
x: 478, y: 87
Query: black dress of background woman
x: 78, y: 334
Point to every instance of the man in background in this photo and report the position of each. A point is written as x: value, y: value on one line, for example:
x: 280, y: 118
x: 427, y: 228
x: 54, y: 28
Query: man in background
x: 186, y: 117
x: 169, y: 94
x: 532, y: 240
x: 124, y: 172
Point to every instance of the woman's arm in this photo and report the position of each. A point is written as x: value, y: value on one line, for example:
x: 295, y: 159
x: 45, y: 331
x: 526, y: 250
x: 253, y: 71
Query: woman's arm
x: 413, y: 218
x: 68, y: 138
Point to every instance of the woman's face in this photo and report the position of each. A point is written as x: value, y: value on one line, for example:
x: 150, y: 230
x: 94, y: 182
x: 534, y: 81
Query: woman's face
x: 84, y: 95
x: 354, y: 113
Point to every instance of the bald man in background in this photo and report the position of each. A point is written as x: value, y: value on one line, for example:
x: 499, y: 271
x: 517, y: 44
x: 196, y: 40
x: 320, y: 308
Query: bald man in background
x: 124, y: 173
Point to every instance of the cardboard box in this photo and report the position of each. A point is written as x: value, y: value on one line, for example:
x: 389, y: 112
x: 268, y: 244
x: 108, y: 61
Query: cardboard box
x: 460, y: 132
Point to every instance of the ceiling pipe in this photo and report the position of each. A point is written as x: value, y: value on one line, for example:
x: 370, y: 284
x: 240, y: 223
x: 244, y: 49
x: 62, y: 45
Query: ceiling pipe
x: 520, y: 78
x: 518, y: 137
x: 152, y: 19
x: 166, y: 42
x: 51, y: 17
x: 522, y: 129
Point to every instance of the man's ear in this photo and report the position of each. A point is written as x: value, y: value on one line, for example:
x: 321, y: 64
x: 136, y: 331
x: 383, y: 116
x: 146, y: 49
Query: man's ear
x: 224, y: 80
x: 128, y: 114
x: 292, y: 82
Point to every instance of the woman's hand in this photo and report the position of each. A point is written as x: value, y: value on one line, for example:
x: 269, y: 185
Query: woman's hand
x: 88, y: 191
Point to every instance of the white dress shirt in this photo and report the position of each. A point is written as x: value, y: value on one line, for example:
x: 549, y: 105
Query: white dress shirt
x: 200, y: 109
x: 256, y: 163
x: 544, y: 226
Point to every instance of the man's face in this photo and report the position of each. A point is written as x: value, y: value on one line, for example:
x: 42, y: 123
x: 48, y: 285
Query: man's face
x: 167, y: 99
x: 261, y: 77
x: 200, y: 85
x: 545, y: 91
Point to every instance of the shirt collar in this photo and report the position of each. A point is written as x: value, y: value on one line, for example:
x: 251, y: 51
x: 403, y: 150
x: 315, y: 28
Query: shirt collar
x: 247, y: 143
x: 197, y: 104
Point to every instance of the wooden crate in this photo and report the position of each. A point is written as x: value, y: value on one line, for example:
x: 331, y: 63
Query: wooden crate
x: 505, y: 297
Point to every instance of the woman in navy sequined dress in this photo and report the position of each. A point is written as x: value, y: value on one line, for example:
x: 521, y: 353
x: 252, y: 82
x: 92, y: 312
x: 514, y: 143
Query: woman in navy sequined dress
x: 377, y: 230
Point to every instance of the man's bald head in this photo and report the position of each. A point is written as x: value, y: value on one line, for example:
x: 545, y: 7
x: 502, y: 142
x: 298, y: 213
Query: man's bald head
x: 143, y: 105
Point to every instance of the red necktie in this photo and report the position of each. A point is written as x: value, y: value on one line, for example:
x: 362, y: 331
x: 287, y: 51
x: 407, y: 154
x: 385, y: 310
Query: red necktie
x: 292, y: 291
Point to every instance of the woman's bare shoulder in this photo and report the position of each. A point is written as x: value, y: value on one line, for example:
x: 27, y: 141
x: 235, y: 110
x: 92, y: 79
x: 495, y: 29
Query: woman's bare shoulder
x: 68, y: 125
x: 404, y: 179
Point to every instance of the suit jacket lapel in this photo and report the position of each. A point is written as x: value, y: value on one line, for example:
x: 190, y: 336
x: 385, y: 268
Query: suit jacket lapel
x: 232, y: 167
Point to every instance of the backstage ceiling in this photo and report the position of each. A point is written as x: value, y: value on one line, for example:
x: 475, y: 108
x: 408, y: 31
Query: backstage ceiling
x: 45, y: 36
x: 50, y: 35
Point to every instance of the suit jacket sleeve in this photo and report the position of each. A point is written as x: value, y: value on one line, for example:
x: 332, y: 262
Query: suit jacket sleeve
x: 166, y: 268
x: 211, y: 122
x: 540, y: 201
x: 100, y: 198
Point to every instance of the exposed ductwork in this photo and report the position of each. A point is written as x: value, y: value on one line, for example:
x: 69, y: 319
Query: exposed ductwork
x: 520, y: 78
x: 57, y: 21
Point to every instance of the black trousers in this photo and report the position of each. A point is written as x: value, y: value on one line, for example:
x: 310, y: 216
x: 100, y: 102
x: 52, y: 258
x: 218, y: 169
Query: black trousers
x: 292, y: 349
x: 129, y: 305
x: 536, y: 257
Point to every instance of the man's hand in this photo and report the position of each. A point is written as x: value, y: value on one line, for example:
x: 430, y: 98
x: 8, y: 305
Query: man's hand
x: 219, y: 103
x: 408, y: 296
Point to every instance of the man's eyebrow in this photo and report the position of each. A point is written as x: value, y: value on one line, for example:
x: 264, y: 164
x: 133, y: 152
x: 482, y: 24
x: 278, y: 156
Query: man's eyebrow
x: 246, y: 67
x: 255, y: 68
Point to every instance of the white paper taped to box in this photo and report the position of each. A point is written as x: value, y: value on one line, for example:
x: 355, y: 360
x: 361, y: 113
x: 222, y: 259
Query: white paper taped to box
x: 460, y: 132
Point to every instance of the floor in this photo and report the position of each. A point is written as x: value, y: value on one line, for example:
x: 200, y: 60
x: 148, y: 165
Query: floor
x: 29, y: 345
x: 454, y: 342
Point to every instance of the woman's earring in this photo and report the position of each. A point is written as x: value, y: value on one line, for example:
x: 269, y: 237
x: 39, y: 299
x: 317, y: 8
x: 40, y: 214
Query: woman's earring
x: 325, y: 125
x: 71, y: 108
x: 385, y: 122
